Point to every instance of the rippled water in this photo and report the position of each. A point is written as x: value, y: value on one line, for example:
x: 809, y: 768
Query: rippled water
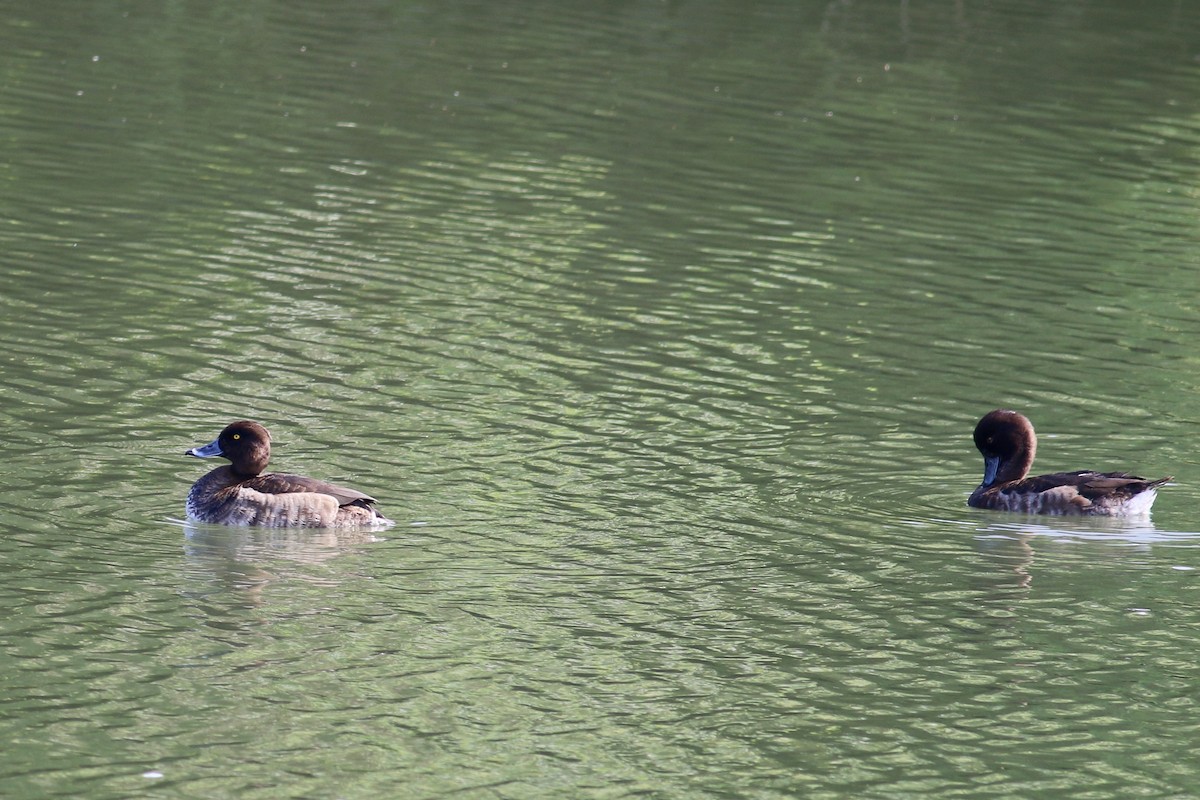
x: 661, y: 330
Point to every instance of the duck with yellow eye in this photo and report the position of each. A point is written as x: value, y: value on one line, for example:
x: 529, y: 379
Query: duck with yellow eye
x: 241, y: 494
x: 1007, y: 442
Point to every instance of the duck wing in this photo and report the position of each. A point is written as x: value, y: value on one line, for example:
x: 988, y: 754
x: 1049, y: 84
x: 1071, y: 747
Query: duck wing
x: 1102, y: 483
x: 284, y: 483
x: 1089, y: 484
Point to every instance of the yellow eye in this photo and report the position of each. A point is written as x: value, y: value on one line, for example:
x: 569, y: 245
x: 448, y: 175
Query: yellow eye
x: 237, y: 436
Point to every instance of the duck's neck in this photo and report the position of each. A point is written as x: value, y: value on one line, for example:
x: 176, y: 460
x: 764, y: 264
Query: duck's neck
x: 1016, y: 466
x: 243, y: 476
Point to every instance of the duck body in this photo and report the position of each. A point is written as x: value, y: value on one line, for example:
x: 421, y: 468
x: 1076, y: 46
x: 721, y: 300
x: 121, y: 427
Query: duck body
x: 1008, y: 444
x: 241, y: 494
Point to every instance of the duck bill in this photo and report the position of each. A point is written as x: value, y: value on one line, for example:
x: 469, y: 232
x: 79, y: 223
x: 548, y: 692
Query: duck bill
x: 210, y: 450
x: 991, y: 465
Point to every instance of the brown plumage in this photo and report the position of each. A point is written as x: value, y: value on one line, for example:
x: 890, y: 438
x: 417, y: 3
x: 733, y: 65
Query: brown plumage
x: 239, y: 494
x: 1008, y: 444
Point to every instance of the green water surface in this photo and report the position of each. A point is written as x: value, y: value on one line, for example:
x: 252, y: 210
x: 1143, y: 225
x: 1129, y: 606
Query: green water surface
x: 660, y: 328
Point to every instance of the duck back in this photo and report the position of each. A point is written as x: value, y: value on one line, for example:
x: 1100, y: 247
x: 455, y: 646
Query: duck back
x: 279, y: 500
x: 1083, y: 492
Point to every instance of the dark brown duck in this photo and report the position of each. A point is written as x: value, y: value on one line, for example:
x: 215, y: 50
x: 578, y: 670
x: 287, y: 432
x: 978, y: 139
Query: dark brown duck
x: 240, y: 494
x: 1008, y: 444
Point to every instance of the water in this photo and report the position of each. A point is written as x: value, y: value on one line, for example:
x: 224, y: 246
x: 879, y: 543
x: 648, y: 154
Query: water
x: 660, y: 329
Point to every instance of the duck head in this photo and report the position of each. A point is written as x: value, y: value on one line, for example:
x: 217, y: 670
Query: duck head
x: 246, y: 444
x: 1008, y: 444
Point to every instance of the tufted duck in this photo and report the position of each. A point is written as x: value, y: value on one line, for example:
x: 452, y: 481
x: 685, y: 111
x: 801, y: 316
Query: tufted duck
x: 1007, y: 442
x: 239, y: 494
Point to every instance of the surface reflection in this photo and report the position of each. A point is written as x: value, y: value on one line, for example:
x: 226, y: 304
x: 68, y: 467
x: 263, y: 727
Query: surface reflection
x: 1017, y: 551
x: 247, y: 560
x: 1140, y: 532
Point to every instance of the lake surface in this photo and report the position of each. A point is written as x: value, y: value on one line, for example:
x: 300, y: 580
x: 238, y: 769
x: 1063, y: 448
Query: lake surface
x: 661, y: 329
